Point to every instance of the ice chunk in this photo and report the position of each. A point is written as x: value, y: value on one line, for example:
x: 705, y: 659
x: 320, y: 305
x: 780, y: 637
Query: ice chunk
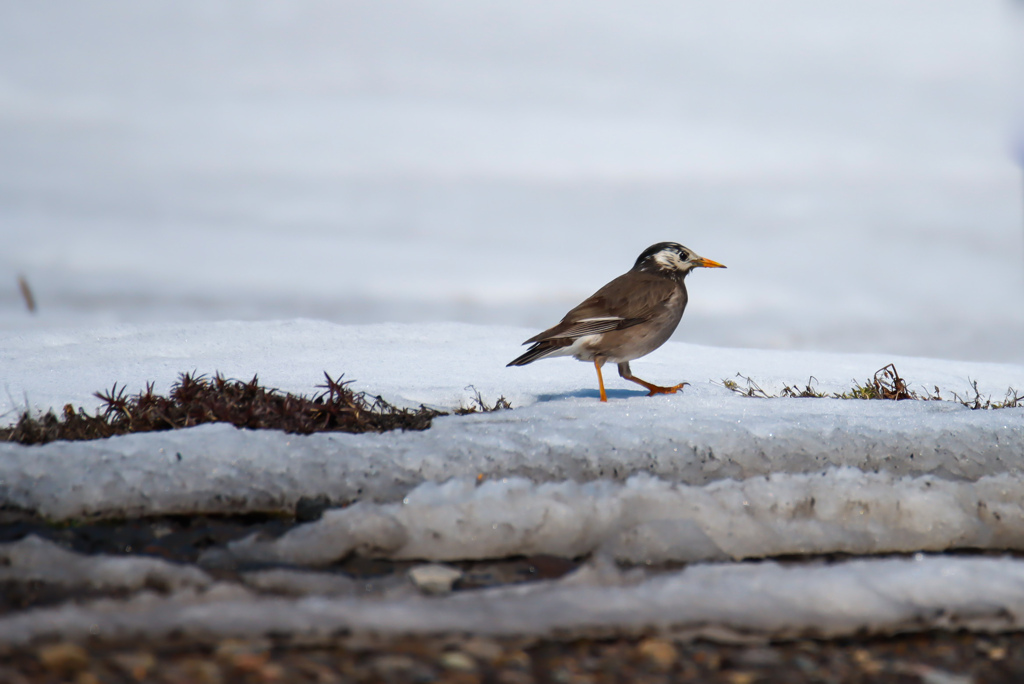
x: 694, y: 440
x: 648, y: 520
x: 35, y: 559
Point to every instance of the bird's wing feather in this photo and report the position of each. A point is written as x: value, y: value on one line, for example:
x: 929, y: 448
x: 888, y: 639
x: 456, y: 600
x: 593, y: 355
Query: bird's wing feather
x: 569, y: 328
x: 614, y: 307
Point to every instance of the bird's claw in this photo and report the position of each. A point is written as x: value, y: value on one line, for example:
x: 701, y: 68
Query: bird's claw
x: 667, y: 390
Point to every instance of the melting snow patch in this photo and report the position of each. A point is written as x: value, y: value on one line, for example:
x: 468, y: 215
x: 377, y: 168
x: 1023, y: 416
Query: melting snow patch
x: 647, y: 520
x: 762, y: 599
x: 35, y: 559
x: 703, y: 476
x: 218, y: 468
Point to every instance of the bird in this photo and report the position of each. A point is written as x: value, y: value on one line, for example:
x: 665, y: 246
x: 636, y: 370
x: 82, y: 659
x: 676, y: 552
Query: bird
x: 629, y: 317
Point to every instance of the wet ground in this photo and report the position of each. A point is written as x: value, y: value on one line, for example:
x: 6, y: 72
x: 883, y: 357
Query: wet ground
x: 182, y: 539
x: 931, y: 657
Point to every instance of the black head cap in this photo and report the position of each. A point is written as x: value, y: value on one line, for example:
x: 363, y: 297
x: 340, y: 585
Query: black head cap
x: 660, y: 256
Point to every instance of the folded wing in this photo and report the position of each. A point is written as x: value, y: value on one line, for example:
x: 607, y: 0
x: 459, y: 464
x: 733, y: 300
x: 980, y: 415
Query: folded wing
x: 611, y: 308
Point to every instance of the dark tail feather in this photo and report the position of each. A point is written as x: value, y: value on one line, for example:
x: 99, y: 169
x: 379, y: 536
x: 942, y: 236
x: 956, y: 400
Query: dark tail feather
x: 538, y: 351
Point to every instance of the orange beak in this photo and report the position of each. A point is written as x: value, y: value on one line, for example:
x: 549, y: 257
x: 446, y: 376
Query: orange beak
x: 707, y: 263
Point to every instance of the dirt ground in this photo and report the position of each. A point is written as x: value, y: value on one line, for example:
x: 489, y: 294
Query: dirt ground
x: 930, y: 658
x: 933, y: 657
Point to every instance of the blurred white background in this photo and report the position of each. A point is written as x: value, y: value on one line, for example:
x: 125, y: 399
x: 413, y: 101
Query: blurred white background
x: 403, y: 160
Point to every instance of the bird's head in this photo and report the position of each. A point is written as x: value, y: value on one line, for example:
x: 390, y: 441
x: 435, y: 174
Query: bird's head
x: 671, y: 259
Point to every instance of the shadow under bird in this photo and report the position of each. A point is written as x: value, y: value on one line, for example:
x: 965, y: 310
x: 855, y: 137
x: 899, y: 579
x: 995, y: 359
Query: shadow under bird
x: 628, y: 318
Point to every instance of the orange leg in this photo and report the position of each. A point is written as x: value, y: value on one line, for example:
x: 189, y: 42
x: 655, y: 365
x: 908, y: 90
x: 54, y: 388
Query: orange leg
x: 626, y: 374
x: 600, y: 379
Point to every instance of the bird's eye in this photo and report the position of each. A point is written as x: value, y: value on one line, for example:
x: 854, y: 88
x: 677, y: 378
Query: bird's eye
x: 684, y: 256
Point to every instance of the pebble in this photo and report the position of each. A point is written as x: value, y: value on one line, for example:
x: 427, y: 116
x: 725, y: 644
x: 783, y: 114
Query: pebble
x: 514, y: 677
x: 389, y: 665
x: 230, y: 648
x: 662, y: 654
x: 434, y: 578
x: 515, y: 658
x: 137, y: 665
x: 741, y: 677
x: 483, y: 649
x: 64, y: 658
x: 457, y: 660
x: 759, y: 657
x: 201, y: 671
x: 866, y: 661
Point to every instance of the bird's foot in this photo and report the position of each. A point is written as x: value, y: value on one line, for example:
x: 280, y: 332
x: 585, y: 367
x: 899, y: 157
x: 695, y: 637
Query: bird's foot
x: 657, y: 389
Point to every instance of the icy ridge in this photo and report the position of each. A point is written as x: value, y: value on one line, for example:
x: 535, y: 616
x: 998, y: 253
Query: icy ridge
x: 647, y: 520
x: 35, y: 559
x: 746, y: 600
x: 217, y: 468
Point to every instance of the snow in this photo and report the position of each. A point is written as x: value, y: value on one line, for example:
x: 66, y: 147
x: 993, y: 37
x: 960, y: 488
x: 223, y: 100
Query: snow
x: 559, y: 431
x: 706, y: 477
x: 724, y: 602
x: 647, y: 520
x: 850, y: 163
x: 288, y: 190
x: 436, y: 364
x: 41, y: 561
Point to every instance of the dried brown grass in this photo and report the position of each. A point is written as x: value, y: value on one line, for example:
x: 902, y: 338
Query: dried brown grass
x: 885, y: 384
x: 195, y: 399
